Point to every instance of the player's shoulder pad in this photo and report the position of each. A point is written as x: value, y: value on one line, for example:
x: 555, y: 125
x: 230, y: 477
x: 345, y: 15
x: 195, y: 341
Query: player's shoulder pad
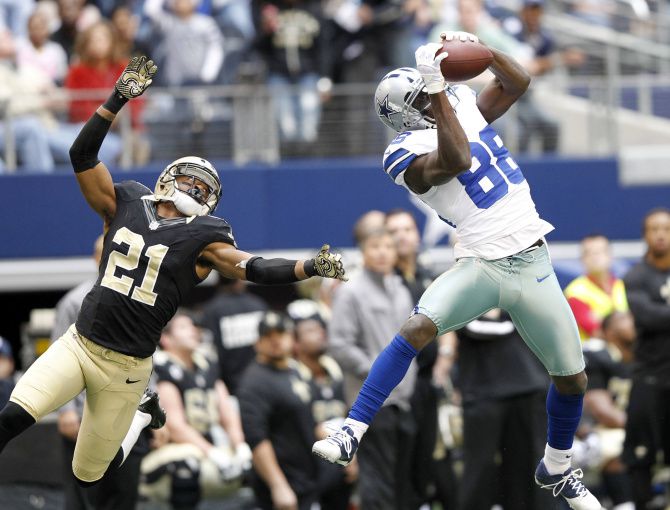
x: 212, y: 229
x: 130, y: 190
x: 405, y: 148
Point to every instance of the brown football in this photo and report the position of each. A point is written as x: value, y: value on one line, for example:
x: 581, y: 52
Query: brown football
x: 466, y: 59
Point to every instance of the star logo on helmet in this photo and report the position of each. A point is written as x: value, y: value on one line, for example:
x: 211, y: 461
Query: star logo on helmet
x: 384, y: 110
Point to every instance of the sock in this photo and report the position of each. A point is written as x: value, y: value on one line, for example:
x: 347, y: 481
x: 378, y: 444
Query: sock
x: 386, y: 373
x: 563, y: 415
x: 14, y: 419
x: 140, y: 420
x: 358, y: 427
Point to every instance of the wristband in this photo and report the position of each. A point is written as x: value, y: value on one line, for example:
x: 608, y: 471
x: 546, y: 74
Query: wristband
x: 115, y: 102
x: 309, y: 268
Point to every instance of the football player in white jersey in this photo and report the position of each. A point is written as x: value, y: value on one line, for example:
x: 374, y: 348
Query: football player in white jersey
x: 447, y: 154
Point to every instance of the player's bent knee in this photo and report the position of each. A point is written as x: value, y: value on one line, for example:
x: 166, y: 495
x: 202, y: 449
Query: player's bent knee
x: 419, y: 331
x: 84, y: 483
x: 571, y: 384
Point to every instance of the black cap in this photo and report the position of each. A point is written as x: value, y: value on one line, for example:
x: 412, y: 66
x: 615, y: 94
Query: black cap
x: 274, y: 321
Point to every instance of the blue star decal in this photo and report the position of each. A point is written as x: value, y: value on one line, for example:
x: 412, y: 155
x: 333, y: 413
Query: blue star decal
x: 384, y: 110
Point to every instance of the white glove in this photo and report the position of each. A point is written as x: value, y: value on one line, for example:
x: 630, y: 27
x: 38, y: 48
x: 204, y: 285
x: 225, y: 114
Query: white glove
x: 228, y: 467
x: 461, y: 36
x: 429, y: 67
x: 243, y: 456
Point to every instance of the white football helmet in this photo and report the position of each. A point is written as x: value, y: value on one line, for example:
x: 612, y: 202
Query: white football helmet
x: 191, y: 202
x: 401, y: 101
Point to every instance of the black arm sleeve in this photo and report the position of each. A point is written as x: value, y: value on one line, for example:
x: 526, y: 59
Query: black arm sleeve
x: 271, y: 271
x: 84, y: 150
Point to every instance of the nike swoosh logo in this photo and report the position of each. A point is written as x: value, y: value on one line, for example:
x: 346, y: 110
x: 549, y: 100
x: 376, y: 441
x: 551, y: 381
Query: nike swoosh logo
x: 543, y: 278
x: 128, y: 381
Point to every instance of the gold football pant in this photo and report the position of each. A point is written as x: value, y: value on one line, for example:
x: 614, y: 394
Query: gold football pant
x: 114, y: 385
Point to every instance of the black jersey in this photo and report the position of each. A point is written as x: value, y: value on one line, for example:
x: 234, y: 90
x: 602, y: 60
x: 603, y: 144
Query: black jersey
x: 648, y: 293
x: 196, y: 387
x: 148, y: 264
x: 606, y: 371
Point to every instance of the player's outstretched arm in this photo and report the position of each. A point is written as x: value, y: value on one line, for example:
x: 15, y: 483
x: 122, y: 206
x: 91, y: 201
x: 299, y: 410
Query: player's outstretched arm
x: 93, y: 176
x: 234, y: 263
x: 452, y: 155
x: 510, y: 82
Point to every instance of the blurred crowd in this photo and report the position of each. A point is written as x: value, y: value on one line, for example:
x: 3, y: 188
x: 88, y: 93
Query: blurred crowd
x: 248, y: 388
x: 60, y: 58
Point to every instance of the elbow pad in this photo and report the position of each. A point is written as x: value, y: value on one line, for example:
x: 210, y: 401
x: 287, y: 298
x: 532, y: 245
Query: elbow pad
x: 271, y: 271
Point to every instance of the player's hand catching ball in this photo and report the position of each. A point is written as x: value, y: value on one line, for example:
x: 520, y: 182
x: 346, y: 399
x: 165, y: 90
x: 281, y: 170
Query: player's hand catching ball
x: 329, y: 265
x: 136, y: 77
x: 429, y: 66
x: 461, y: 36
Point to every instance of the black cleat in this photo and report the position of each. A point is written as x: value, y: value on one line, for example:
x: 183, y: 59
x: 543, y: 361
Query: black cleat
x: 150, y: 405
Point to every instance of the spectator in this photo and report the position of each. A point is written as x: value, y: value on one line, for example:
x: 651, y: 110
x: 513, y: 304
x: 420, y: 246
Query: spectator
x: 366, y: 312
x: 431, y: 476
x: 473, y: 18
x: 199, y: 462
x: 75, y: 17
x: 97, y: 68
x: 191, y: 44
x: 6, y: 371
x: 290, y: 40
x: 534, y: 121
x: 275, y: 402
x: 503, y: 388
x: 14, y: 15
x: 21, y: 99
x: 648, y: 289
x: 118, y: 488
x: 126, y: 26
x: 232, y: 316
x: 609, y: 366
x: 328, y: 405
x: 368, y: 222
x: 598, y: 292
x: 39, y: 52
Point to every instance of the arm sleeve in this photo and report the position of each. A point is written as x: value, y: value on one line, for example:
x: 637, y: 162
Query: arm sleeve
x: 343, y: 332
x: 255, y: 408
x: 649, y: 315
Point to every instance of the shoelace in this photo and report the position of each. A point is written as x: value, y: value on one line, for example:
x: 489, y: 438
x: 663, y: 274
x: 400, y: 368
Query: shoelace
x: 342, y: 438
x: 573, y: 479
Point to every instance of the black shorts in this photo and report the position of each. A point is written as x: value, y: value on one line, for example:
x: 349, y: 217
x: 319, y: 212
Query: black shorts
x: 648, y: 425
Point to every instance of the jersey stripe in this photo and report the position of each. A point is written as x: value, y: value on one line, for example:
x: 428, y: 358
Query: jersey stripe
x: 398, y: 161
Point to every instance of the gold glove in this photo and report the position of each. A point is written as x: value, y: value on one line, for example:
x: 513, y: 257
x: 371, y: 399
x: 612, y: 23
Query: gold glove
x: 329, y: 265
x: 136, y: 77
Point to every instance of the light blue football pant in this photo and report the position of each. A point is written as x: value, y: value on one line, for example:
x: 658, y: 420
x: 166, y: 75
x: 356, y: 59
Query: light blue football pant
x: 526, y: 287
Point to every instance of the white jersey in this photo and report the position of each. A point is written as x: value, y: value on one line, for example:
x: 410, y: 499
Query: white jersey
x: 490, y: 205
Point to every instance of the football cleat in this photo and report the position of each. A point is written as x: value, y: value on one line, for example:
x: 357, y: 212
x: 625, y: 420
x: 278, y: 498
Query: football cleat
x: 338, y: 448
x: 568, y: 485
x: 150, y: 405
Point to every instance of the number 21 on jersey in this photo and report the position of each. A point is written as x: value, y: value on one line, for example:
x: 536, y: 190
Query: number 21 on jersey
x: 492, y: 167
x: 123, y: 284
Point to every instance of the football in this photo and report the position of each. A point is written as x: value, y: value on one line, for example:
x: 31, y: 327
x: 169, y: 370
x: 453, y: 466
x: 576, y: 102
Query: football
x: 466, y: 59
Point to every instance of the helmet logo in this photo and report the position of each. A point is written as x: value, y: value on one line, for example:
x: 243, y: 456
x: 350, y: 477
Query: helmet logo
x: 384, y: 110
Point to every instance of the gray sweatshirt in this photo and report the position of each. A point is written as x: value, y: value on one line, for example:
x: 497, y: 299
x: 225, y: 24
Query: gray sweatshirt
x: 367, y: 313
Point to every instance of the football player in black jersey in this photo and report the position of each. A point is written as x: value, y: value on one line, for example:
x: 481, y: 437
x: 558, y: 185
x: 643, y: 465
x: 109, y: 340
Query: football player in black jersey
x: 157, y: 246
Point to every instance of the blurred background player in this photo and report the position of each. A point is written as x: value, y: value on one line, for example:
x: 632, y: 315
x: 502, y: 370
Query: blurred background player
x: 503, y: 389
x: 329, y: 407
x: 648, y: 424
x: 276, y: 406
x: 232, y: 315
x: 598, y: 292
x: 206, y: 455
x: 609, y: 365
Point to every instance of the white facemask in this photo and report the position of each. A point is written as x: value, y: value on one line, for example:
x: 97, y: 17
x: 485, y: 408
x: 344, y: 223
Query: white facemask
x: 186, y: 205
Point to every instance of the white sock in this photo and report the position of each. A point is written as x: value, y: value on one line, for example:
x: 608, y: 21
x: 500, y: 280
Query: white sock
x: 358, y: 427
x: 140, y: 420
x: 556, y: 461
